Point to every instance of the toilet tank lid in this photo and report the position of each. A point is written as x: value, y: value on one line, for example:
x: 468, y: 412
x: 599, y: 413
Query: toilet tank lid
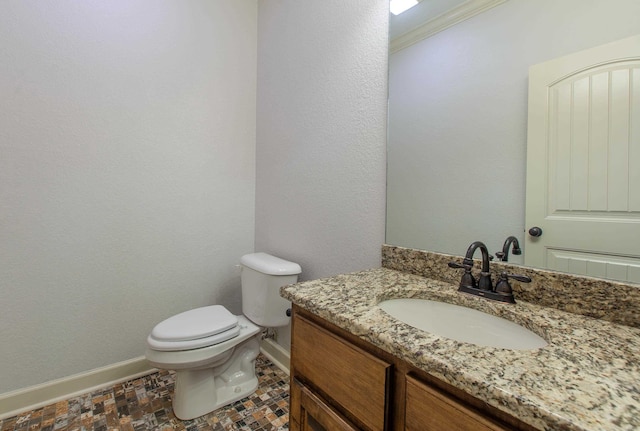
x: 271, y: 265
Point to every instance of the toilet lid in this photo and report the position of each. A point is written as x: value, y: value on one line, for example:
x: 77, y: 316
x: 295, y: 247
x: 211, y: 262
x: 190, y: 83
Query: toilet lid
x: 169, y: 346
x: 194, y: 324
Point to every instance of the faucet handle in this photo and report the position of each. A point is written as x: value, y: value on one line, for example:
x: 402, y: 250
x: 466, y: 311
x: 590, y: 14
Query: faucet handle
x: 503, y: 286
x: 522, y: 278
x: 467, y: 279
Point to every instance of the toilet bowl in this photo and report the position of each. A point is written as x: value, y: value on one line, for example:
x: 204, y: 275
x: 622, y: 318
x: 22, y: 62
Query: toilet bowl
x: 213, y: 351
x: 209, y: 376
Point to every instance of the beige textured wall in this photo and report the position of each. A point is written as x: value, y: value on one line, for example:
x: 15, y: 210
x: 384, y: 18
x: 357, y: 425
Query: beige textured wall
x: 127, y: 174
x: 322, y: 91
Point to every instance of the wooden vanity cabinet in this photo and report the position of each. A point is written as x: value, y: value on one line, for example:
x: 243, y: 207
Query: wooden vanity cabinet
x: 340, y: 382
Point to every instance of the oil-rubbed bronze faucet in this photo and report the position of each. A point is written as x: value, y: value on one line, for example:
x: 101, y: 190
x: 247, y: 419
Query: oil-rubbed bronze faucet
x: 484, y: 286
x: 504, y: 254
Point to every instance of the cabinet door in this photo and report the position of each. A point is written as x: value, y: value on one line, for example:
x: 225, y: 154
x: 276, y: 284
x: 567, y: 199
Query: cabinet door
x: 428, y: 409
x: 353, y: 379
x: 313, y: 414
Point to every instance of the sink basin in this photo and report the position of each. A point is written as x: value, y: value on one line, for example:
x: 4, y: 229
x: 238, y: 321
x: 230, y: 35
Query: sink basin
x: 462, y: 324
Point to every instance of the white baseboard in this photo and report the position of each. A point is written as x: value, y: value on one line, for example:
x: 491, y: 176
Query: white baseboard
x: 276, y: 353
x: 34, y: 397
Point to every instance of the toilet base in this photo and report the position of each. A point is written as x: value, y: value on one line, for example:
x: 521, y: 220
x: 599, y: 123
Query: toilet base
x: 201, y: 391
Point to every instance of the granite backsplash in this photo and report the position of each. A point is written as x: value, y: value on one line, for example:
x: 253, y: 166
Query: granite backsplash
x: 602, y: 299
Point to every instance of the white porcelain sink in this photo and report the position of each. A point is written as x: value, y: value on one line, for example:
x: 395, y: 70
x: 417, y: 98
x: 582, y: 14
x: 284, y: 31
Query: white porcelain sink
x: 462, y: 324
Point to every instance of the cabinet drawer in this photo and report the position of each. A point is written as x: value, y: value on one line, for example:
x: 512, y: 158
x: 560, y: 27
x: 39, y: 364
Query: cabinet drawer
x: 356, y: 381
x: 313, y: 413
x: 428, y: 409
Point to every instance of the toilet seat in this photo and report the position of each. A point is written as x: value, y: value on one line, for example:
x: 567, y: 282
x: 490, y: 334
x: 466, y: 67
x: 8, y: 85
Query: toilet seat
x: 193, y: 329
x: 199, y: 357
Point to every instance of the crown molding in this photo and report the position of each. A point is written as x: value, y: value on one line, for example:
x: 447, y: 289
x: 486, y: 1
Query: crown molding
x: 453, y: 16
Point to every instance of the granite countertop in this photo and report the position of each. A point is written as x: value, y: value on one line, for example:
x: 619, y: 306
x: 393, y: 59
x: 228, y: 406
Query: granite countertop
x: 586, y: 378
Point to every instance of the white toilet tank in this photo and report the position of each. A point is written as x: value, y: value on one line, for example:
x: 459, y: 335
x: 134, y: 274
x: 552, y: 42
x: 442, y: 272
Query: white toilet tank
x: 262, y: 276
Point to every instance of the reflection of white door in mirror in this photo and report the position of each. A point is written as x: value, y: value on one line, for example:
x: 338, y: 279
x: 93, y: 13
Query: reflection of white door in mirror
x: 583, y: 162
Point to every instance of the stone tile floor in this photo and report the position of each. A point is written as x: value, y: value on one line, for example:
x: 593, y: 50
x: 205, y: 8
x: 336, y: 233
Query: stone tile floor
x: 145, y: 404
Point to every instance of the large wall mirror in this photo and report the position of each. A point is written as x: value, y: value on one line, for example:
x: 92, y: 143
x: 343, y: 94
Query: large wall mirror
x: 458, y: 111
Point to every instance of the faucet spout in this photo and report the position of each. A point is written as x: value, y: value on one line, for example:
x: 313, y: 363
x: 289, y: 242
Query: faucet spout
x: 468, y: 258
x: 484, y: 282
x: 504, y: 254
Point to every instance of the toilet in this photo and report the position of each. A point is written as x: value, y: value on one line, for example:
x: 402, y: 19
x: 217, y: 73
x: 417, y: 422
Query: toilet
x: 213, y: 351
